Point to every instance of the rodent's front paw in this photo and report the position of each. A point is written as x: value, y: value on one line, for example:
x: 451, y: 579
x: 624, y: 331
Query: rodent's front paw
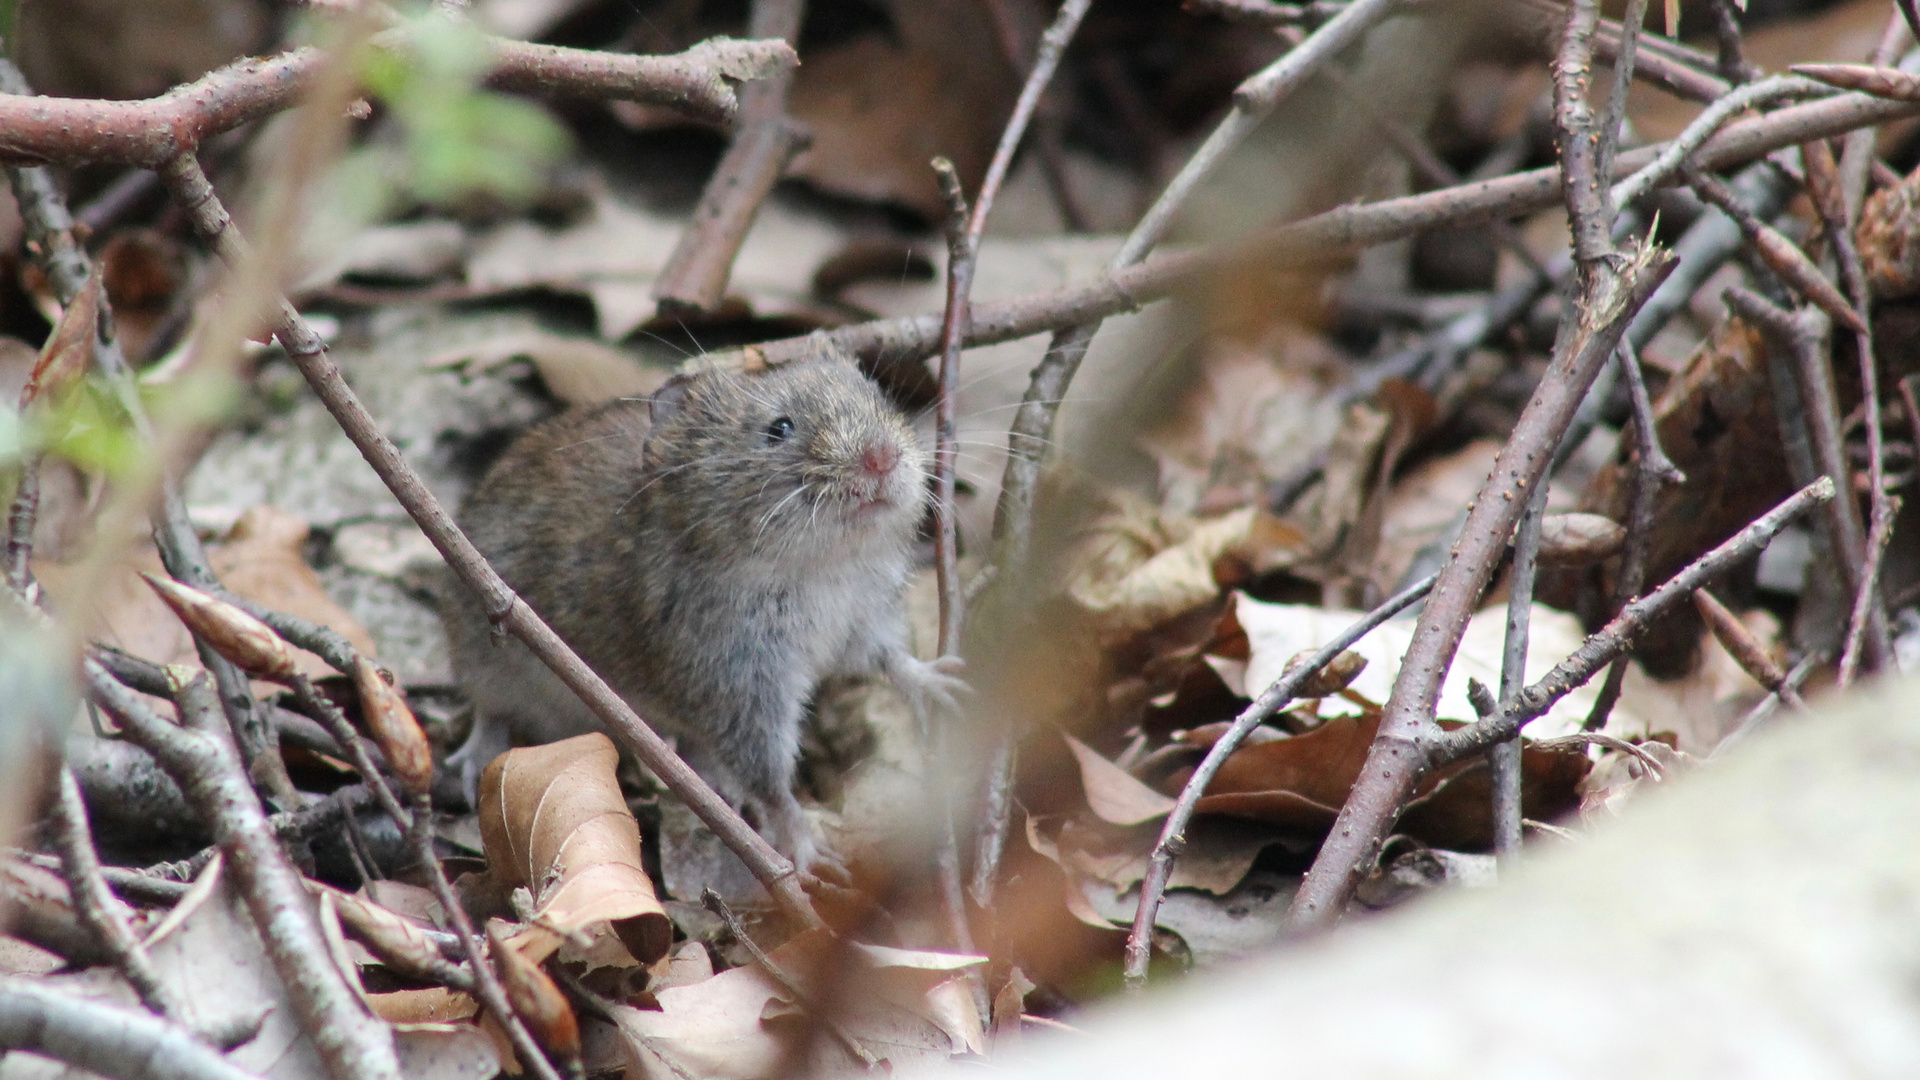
x: 930, y: 686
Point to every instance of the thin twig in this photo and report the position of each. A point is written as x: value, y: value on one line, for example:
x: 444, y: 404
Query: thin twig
x: 1885, y: 509
x: 1711, y: 119
x: 210, y: 219
x: 1869, y: 622
x: 1596, y: 738
x: 962, y: 246
x: 1173, y: 832
x: 1614, y: 638
x: 1631, y: 21
x: 1503, y: 760
x: 965, y: 230
x: 1857, y: 152
x: 97, y: 907
x: 486, y: 981
x: 1652, y: 470
x: 1731, y: 58
x: 1802, y: 337
x: 106, y: 1040
x: 148, y: 133
x: 1745, y: 649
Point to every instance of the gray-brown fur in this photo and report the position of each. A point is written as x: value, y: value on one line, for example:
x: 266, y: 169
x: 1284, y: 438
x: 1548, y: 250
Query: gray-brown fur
x: 710, y: 570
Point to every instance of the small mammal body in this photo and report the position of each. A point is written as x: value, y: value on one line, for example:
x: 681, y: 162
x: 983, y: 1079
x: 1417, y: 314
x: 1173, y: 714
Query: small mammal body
x: 713, y: 553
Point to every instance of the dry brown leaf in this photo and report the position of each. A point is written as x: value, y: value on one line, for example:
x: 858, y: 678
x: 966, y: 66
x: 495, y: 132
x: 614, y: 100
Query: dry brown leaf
x: 68, y: 352
x: 1113, y: 794
x: 578, y: 371
x: 1300, y: 783
x: 535, y: 997
x: 900, y: 1005
x: 552, y: 820
x: 1250, y: 416
x: 880, y: 106
x: 261, y: 559
x: 1135, y: 568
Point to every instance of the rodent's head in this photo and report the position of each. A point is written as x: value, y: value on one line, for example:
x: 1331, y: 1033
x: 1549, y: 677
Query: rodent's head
x: 808, y: 454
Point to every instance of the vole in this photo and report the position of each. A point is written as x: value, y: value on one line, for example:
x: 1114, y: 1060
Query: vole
x: 713, y: 552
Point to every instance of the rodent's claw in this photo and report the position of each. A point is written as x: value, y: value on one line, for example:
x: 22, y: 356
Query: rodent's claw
x: 930, y: 686
x: 829, y: 869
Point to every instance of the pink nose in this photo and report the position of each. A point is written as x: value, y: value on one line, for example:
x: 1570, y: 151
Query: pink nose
x: 879, y: 458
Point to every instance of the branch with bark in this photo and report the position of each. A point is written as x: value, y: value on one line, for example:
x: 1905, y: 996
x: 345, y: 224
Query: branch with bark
x: 69, y: 131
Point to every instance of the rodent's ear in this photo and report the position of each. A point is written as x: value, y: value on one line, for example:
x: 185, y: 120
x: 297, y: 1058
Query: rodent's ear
x: 666, y: 400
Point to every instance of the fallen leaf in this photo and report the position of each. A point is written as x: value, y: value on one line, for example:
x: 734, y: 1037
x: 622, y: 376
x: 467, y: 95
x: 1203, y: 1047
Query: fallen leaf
x: 261, y: 559
x: 1112, y: 793
x: 578, y: 371
x: 1300, y: 784
x: 1278, y: 632
x: 613, y: 255
x: 900, y: 1005
x: 1251, y: 415
x: 1136, y: 568
x: 553, y: 821
x: 881, y: 105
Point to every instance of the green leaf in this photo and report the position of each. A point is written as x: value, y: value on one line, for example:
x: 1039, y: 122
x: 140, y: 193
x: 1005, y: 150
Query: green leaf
x: 456, y: 139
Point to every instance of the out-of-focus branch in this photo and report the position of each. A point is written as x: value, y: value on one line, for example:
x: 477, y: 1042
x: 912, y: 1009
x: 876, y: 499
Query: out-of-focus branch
x: 1323, y: 236
x: 107, y: 1040
x: 148, y: 133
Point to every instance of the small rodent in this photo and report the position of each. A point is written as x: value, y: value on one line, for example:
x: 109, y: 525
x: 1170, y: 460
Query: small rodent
x: 713, y: 552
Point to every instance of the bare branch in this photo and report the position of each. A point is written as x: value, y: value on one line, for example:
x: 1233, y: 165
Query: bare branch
x: 98, y: 909
x: 109, y: 1040
x: 151, y: 132
x: 1614, y: 638
x: 695, y: 277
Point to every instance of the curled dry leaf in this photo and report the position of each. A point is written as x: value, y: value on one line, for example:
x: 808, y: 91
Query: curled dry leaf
x: 535, y: 997
x: 552, y: 819
x: 68, y: 353
x: 231, y: 632
x: 395, y: 728
x: 1136, y: 568
x: 1579, y: 539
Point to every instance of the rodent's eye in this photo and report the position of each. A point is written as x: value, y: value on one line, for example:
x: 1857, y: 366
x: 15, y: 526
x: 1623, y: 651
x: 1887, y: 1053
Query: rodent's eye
x: 780, y: 429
